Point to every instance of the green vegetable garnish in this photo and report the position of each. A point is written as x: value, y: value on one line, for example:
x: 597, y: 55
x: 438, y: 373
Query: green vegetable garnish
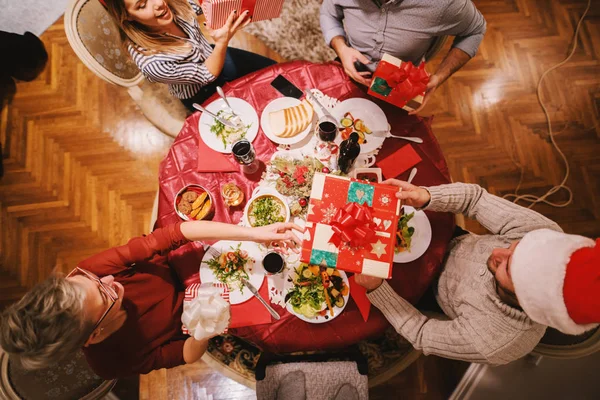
x: 230, y: 267
x: 266, y: 211
x: 404, y: 233
x: 225, y: 133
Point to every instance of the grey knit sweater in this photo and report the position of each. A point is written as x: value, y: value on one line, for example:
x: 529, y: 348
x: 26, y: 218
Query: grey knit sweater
x: 481, y: 328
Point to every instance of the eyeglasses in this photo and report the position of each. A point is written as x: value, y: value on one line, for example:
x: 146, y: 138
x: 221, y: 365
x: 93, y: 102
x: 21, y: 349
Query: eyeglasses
x: 109, y: 291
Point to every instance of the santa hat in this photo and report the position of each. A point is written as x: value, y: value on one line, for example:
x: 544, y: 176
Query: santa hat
x: 557, y: 280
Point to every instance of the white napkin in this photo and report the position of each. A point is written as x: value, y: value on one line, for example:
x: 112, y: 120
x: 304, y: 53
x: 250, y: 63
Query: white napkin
x: 206, y: 315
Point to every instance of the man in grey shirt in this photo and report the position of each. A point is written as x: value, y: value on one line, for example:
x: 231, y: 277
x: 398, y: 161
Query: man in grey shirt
x: 363, y: 30
x: 499, y: 291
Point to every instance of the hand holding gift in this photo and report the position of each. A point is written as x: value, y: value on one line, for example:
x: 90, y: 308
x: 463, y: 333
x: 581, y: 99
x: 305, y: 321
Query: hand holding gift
x: 207, y: 315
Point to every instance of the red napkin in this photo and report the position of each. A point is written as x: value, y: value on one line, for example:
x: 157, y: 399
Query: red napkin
x: 251, y: 312
x: 399, y: 161
x: 213, y: 161
x: 359, y: 295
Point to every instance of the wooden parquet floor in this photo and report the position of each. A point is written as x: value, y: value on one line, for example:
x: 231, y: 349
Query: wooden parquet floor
x: 81, y: 160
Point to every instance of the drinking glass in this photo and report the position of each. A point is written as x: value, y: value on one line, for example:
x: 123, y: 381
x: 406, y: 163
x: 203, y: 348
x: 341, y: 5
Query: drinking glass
x: 232, y: 194
x: 273, y: 263
x: 244, y: 154
x: 327, y: 128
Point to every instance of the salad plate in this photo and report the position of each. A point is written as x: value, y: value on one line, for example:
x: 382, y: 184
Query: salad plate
x: 219, y: 137
x: 318, y: 294
x: 365, y: 118
x: 413, y: 235
x: 228, y: 262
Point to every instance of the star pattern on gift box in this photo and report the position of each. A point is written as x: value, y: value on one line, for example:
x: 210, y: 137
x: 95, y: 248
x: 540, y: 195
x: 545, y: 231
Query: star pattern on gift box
x: 329, y: 213
x: 378, y: 249
x: 385, y: 200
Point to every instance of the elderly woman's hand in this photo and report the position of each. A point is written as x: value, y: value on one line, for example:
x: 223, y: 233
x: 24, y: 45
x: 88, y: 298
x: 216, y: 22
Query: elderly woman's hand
x: 281, y: 233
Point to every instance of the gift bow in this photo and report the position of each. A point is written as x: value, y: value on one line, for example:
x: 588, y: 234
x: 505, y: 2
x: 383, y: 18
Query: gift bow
x: 352, y: 224
x: 409, y: 81
x: 207, y: 314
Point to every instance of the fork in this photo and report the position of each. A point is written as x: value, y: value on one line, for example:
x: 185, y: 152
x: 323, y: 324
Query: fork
x: 211, y: 251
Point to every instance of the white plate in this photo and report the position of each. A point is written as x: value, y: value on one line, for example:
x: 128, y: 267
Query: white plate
x: 321, y: 319
x: 241, y: 107
x: 373, y: 117
x: 280, y: 104
x: 262, y: 191
x: 421, y: 238
x: 256, y: 274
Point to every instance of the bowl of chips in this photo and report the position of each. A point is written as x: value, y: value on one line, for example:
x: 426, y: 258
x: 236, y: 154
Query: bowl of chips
x: 194, y: 202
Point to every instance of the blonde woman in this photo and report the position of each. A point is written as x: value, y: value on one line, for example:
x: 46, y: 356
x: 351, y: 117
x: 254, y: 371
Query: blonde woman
x: 123, y: 306
x: 165, y: 41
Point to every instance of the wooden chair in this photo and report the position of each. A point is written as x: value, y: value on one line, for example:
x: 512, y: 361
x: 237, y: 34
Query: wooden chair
x: 67, y: 380
x: 95, y: 39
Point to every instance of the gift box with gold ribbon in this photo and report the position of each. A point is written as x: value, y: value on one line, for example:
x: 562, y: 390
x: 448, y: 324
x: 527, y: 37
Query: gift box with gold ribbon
x: 351, y: 225
x: 217, y: 11
x: 399, y: 83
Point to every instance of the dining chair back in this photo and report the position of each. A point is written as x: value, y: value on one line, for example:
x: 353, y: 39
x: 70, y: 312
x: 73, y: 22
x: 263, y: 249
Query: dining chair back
x: 69, y: 379
x: 94, y: 37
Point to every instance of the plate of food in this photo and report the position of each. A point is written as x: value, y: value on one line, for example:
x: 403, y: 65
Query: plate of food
x: 363, y: 117
x: 194, y: 202
x: 287, y: 120
x: 228, y: 262
x: 413, y: 235
x: 266, y: 207
x: 318, y: 294
x: 219, y: 137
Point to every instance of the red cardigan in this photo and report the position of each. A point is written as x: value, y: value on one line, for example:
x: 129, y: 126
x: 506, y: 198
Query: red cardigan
x: 151, y: 337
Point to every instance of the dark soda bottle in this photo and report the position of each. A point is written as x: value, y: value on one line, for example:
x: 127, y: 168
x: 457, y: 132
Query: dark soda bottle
x: 349, y: 151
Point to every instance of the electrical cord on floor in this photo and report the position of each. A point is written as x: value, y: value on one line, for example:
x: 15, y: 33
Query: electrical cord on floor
x: 530, y: 198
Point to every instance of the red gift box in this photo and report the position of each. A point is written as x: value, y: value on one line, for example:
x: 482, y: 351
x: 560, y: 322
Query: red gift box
x: 217, y: 11
x: 351, y: 225
x: 399, y: 83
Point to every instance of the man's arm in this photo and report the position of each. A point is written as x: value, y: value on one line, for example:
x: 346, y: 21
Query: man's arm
x: 499, y: 216
x: 464, y: 21
x: 331, y: 17
x: 455, y: 338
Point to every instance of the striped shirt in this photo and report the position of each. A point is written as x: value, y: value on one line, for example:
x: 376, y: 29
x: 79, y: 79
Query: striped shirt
x: 185, y: 74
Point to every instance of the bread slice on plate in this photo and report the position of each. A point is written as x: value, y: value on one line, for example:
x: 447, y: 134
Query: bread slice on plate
x: 290, y: 121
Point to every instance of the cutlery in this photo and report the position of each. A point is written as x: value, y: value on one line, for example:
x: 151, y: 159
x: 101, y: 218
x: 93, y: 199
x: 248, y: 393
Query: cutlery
x: 314, y: 100
x: 413, y: 172
x: 407, y: 138
x: 211, y: 251
x: 220, y: 119
x: 236, y: 118
x: 259, y: 297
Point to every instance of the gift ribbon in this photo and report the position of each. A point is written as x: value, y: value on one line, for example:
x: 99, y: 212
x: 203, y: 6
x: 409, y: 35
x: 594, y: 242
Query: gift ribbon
x: 352, y: 224
x: 406, y: 82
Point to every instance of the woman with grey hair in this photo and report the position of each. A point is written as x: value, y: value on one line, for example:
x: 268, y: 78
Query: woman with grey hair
x: 123, y: 306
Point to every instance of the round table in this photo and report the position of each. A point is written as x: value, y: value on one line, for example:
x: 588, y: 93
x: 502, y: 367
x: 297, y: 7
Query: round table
x: 410, y: 280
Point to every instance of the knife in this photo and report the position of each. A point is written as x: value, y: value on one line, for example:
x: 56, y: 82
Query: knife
x: 314, y: 100
x: 259, y: 297
x: 220, y: 119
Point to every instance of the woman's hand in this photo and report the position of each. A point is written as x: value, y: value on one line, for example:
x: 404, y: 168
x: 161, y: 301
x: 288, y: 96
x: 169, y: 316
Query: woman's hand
x: 281, y: 233
x: 223, y: 35
x: 368, y: 282
x: 410, y: 195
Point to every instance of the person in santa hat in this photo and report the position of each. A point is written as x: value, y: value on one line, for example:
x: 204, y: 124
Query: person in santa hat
x: 499, y: 291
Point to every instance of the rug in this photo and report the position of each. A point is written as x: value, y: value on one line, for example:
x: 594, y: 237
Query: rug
x: 35, y: 16
x: 296, y: 35
x: 237, y: 358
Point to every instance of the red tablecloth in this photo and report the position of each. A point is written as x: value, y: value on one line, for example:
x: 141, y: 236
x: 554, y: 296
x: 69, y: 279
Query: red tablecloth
x: 409, y: 280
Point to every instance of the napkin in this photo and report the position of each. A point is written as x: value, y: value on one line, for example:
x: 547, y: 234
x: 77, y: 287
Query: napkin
x: 399, y: 161
x: 213, y: 161
x: 205, y: 310
x: 251, y: 312
x: 359, y: 295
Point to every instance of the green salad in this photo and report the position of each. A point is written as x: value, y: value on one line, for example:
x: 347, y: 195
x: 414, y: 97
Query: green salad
x: 404, y: 233
x: 316, y: 291
x: 227, y: 134
x: 230, y: 267
x: 266, y: 210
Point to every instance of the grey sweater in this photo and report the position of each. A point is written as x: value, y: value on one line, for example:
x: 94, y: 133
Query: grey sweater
x: 481, y: 328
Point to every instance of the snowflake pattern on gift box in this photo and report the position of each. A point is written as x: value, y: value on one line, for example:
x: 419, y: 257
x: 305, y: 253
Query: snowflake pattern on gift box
x: 346, y: 247
x: 329, y: 213
x: 385, y: 200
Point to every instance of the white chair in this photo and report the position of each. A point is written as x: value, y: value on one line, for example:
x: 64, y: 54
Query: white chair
x: 95, y: 39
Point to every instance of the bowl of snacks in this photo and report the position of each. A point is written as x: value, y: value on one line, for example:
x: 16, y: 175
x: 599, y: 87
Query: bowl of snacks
x: 266, y: 208
x: 194, y: 202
